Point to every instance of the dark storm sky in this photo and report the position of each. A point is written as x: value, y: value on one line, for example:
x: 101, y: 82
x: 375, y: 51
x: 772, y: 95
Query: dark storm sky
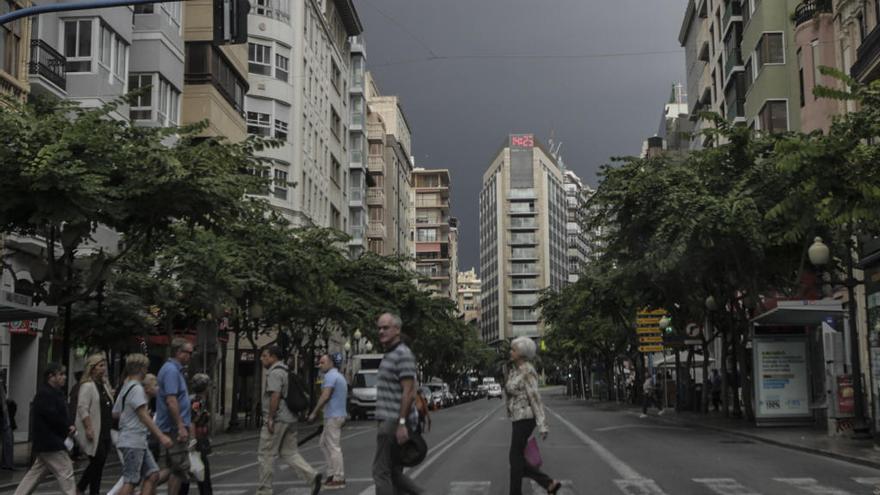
x: 469, y: 72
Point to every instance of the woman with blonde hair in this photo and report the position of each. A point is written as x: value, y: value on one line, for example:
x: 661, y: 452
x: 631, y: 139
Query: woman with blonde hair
x: 525, y: 409
x: 94, y: 418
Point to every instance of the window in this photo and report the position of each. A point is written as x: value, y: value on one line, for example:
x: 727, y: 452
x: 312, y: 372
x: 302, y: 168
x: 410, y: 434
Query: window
x: 282, y: 67
x: 10, y: 42
x: 143, y: 8
x: 280, y: 129
x: 78, y: 45
x: 205, y: 63
x: 335, y: 123
x: 426, y: 235
x: 335, y: 75
x: 169, y: 102
x: 816, y: 50
x: 774, y: 116
x: 377, y: 214
x: 524, y: 299
x: 173, y: 10
x: 800, y: 63
x: 770, y: 49
x: 106, y: 46
x: 260, y: 59
x: 258, y: 123
x: 749, y: 75
x: 142, y: 106
x: 121, y: 59
x: 523, y: 315
x: 280, y: 182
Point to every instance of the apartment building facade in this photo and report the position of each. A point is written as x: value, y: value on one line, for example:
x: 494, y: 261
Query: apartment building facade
x: 14, y: 52
x: 357, y: 144
x: 299, y: 63
x: 522, y: 238
x: 577, y: 241
x: 436, y: 232
x: 468, y: 297
x: 390, y: 202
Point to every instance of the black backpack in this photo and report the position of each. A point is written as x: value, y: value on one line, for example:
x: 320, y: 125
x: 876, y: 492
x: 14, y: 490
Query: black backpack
x: 297, y: 397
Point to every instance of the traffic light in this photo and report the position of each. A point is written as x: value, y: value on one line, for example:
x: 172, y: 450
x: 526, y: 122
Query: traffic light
x: 231, y: 21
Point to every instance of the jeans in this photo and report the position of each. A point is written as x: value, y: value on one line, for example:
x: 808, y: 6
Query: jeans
x: 649, y: 400
x: 519, y: 468
x: 387, y: 474
x: 91, y: 477
x: 7, y: 450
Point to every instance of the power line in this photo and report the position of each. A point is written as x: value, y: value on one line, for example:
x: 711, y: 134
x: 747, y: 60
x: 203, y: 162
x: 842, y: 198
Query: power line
x: 403, y: 28
x: 522, y: 56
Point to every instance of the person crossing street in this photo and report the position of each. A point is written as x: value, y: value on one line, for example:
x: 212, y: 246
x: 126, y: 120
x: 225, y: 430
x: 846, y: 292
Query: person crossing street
x: 278, y: 434
x: 334, y: 394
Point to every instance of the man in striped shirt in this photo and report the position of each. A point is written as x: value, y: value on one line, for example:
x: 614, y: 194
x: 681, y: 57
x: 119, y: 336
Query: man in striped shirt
x: 395, y: 393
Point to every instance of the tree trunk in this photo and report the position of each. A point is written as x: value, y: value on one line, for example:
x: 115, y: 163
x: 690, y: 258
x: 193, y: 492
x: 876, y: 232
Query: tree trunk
x: 725, y: 402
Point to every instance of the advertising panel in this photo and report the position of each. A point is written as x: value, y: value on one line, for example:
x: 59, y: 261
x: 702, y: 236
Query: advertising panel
x: 781, y: 380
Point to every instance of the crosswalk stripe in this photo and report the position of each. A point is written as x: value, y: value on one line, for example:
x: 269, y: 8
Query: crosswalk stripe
x: 297, y: 491
x: 867, y: 481
x: 566, y: 489
x: 470, y: 487
x: 641, y: 486
x: 812, y: 486
x: 725, y: 486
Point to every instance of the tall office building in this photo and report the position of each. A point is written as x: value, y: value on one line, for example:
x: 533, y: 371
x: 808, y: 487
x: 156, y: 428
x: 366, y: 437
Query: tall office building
x: 299, y: 60
x: 357, y: 144
x: 390, y: 203
x: 577, y: 240
x: 522, y: 238
x: 436, y: 232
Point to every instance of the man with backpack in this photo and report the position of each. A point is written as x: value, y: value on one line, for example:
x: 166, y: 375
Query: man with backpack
x: 278, y: 435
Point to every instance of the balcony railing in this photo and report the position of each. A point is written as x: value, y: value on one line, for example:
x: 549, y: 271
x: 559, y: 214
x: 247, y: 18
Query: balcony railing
x: 376, y: 229
x: 731, y: 8
x: 808, y: 10
x: 376, y: 164
x: 48, y: 63
x: 375, y: 196
x: 868, y: 53
x: 734, y: 59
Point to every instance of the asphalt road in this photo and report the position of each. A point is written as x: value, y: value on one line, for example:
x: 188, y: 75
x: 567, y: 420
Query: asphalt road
x: 592, y: 451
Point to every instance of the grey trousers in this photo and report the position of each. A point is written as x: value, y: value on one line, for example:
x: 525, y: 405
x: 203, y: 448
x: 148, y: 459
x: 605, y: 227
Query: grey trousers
x: 387, y: 474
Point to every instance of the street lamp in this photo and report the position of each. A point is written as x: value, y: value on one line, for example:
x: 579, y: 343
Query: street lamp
x: 369, y: 346
x: 711, y: 303
x: 820, y: 256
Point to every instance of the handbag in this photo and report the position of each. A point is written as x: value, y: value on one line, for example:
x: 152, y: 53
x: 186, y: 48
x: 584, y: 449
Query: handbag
x: 533, y: 454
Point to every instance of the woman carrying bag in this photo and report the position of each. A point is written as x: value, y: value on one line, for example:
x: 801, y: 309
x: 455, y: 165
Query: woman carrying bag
x: 525, y: 409
x: 94, y: 418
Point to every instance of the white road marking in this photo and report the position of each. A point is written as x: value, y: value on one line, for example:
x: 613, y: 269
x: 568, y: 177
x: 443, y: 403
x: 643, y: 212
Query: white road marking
x: 436, y: 452
x: 567, y: 488
x: 647, y: 427
x: 470, y: 487
x: 725, y: 486
x: 623, y: 469
x: 286, y: 483
x: 639, y: 487
x: 812, y: 486
x: 867, y: 481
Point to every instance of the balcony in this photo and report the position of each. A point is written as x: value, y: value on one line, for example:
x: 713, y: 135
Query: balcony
x: 375, y: 196
x: 732, y: 12
x: 732, y: 63
x: 808, y: 9
x: 867, y: 66
x: 357, y: 233
x: 375, y: 131
x: 523, y: 240
x: 376, y: 164
x: 47, y: 63
x: 522, y: 211
x: 376, y: 230
x: 430, y: 203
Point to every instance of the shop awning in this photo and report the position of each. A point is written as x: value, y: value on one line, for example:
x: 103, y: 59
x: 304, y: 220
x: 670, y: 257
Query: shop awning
x: 800, y: 313
x: 10, y: 311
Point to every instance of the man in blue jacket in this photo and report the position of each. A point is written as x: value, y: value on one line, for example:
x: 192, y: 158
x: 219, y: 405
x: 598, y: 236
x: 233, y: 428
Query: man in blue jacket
x: 51, y: 427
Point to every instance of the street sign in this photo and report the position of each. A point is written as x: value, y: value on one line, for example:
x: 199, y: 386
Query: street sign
x: 652, y: 312
x: 649, y: 320
x: 650, y: 330
x: 650, y: 348
x: 650, y: 339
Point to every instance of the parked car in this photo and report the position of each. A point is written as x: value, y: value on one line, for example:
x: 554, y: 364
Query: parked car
x: 362, y: 400
x: 494, y: 391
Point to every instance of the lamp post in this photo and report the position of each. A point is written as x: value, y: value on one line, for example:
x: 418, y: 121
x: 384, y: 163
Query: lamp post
x: 357, y: 341
x: 820, y: 255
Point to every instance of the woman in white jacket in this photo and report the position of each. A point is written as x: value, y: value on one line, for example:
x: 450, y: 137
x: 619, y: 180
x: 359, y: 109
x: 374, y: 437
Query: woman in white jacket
x: 94, y: 418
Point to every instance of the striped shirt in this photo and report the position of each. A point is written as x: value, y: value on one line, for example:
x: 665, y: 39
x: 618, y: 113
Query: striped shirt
x: 397, y: 364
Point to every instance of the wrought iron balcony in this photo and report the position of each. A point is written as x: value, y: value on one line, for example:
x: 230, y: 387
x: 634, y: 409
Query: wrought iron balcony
x: 48, y: 63
x: 808, y: 10
x: 867, y: 65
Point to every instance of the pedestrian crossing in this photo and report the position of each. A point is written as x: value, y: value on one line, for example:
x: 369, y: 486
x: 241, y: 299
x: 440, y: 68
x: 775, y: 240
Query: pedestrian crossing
x: 639, y: 486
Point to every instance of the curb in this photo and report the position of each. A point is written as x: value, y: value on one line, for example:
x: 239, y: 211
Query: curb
x: 115, y: 461
x: 791, y: 446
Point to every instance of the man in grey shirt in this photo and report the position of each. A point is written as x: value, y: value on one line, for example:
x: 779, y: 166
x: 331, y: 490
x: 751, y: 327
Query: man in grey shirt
x: 395, y: 393
x: 138, y: 464
x: 278, y: 435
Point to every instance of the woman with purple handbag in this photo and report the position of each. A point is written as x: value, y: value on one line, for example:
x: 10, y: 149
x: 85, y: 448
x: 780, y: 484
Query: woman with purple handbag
x: 525, y: 409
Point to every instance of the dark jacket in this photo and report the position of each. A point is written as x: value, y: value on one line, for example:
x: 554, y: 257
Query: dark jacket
x: 51, y: 421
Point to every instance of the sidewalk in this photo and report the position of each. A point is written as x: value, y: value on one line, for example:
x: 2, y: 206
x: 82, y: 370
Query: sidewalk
x: 9, y: 480
x: 805, y: 439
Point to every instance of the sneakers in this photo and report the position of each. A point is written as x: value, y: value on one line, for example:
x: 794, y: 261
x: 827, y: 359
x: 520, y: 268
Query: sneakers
x: 661, y: 412
x: 317, y: 487
x: 643, y: 415
x: 334, y: 484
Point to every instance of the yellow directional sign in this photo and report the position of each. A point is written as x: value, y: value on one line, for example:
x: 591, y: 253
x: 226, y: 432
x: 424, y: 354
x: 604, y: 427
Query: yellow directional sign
x: 648, y: 330
x: 652, y: 312
x: 651, y: 348
x: 653, y: 320
x: 650, y: 339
